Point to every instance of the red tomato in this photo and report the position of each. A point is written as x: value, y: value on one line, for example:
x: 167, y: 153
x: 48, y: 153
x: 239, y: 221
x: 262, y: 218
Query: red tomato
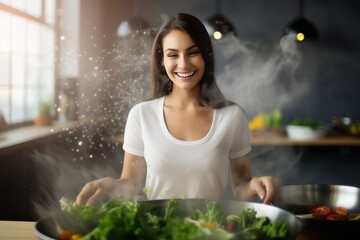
x: 335, y: 217
x: 341, y: 211
x: 65, y: 235
x: 311, y: 209
x: 322, y: 212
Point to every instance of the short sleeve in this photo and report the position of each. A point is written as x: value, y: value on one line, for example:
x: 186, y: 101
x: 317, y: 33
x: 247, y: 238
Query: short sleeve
x: 133, y: 139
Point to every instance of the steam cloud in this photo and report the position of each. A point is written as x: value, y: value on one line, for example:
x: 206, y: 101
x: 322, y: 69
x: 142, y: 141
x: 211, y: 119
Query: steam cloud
x: 258, y: 79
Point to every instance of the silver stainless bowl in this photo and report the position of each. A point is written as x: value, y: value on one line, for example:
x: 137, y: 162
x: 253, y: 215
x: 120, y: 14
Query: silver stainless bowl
x: 297, y: 199
x: 49, y: 227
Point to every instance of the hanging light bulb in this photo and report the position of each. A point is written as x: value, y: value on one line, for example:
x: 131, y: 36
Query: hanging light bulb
x: 300, y: 27
x: 134, y: 24
x: 218, y: 25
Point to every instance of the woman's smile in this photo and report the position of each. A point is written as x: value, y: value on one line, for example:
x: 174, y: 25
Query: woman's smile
x: 185, y: 74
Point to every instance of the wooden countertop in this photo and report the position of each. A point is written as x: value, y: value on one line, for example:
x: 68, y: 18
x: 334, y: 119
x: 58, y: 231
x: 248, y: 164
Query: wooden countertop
x: 14, y: 230
x: 25, y: 136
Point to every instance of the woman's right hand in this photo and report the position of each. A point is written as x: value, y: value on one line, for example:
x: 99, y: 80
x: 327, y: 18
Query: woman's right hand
x: 96, y: 190
x: 128, y: 186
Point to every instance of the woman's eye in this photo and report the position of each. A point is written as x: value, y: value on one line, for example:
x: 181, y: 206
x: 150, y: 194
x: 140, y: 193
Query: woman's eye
x: 171, y: 54
x: 192, y: 53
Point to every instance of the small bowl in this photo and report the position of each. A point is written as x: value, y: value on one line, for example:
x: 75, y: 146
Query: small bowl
x: 304, y: 133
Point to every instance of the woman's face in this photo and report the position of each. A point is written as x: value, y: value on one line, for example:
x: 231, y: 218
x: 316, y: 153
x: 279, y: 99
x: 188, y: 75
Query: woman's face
x: 182, y: 59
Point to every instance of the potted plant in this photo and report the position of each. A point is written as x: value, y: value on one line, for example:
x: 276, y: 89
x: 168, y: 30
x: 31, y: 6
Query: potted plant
x: 44, y: 117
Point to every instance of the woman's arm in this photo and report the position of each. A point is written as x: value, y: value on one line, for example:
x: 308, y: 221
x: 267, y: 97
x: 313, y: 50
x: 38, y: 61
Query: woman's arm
x: 133, y: 174
x: 245, y: 187
x: 128, y: 186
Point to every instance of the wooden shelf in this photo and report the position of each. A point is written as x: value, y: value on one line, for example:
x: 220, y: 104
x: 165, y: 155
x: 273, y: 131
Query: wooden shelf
x: 281, y: 139
x: 274, y: 138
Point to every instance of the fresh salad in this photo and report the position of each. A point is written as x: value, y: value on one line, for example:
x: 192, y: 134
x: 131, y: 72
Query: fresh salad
x: 120, y: 219
x: 308, y: 122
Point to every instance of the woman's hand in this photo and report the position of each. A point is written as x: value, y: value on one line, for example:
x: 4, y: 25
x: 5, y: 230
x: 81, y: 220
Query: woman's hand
x: 104, y: 187
x: 266, y: 187
x: 246, y: 187
x: 128, y: 186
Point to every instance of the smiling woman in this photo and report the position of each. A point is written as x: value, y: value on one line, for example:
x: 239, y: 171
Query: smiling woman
x: 27, y: 58
x: 184, y: 141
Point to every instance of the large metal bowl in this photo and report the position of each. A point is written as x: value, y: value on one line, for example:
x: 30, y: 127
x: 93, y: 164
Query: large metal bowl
x: 49, y: 227
x: 297, y: 199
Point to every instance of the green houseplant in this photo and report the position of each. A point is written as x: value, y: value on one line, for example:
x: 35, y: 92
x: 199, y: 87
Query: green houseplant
x: 44, y: 116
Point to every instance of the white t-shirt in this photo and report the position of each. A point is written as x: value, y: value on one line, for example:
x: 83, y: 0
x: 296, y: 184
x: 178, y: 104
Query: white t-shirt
x: 185, y: 169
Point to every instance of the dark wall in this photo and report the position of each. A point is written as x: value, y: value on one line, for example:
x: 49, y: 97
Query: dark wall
x: 322, y: 80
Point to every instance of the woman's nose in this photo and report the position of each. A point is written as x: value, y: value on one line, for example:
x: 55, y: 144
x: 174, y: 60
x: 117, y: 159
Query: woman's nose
x: 183, y: 62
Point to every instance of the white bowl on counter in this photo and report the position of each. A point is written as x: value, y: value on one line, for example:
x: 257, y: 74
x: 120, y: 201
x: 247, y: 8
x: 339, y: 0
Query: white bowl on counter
x: 304, y: 133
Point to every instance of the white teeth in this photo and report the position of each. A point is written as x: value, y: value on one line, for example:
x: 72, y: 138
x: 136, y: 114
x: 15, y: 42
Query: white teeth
x: 184, y: 75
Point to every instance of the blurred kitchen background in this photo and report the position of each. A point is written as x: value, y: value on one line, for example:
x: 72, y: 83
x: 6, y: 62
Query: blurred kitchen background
x: 85, y: 63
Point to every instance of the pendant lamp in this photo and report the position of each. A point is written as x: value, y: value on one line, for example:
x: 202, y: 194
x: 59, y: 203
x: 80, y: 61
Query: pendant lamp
x: 218, y: 25
x: 300, y: 27
x: 134, y: 24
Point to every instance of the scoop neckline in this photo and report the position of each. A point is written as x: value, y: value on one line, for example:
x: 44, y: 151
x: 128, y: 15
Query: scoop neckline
x: 176, y: 140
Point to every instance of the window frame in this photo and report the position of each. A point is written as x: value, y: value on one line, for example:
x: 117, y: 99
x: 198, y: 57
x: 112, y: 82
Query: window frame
x: 43, y: 23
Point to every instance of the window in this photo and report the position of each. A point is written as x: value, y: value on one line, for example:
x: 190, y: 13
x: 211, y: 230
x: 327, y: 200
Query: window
x: 27, y: 57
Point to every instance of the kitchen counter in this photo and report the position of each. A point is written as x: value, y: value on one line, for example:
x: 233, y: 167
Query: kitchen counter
x: 14, y: 230
x: 16, y: 139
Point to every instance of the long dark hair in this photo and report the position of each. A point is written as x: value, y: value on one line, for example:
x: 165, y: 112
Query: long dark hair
x: 210, y: 94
